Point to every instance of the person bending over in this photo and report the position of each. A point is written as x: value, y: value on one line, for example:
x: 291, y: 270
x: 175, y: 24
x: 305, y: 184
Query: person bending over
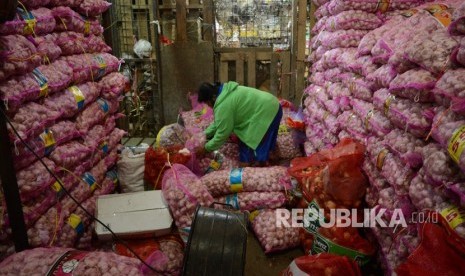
x: 251, y: 114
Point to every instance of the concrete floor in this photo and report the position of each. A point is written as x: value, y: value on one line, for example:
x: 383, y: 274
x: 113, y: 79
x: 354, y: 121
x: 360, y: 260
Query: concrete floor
x: 259, y: 264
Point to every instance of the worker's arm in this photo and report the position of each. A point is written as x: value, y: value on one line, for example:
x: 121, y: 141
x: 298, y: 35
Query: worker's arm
x: 224, y: 127
x: 211, y: 130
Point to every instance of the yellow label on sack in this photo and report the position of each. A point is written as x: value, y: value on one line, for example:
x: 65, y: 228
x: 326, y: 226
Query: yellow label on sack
x: 380, y: 159
x: 29, y: 20
x: 441, y: 14
x: 47, y: 137
x: 74, y: 220
x: 56, y: 187
x: 453, y: 216
x: 253, y: 215
x: 367, y: 119
x: 215, y: 165
x: 78, y: 96
x: 283, y: 129
x: 409, y: 13
x: 383, y: 6
x: 387, y: 104
x: 457, y: 144
x: 236, y: 188
x: 76, y: 223
x: 86, y: 27
x: 30, y: 26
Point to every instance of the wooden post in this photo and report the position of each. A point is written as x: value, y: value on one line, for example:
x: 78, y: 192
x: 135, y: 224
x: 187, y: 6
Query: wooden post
x: 286, y: 74
x: 181, y: 21
x: 208, y: 20
x: 294, y: 45
x: 300, y: 59
x: 274, y: 85
x: 224, y: 66
x: 240, y: 69
x: 251, y: 69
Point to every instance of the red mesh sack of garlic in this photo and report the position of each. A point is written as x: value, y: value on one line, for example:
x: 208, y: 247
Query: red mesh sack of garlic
x: 69, y: 20
x: 431, y: 50
x: 64, y: 3
x: 416, y: 118
x: 450, y: 90
x: 18, y: 56
x: 371, y: 6
x: 358, y: 86
x: 428, y: 197
x: 156, y: 163
x: 91, y: 67
x: 457, y: 26
x: 93, y: 7
x: 352, y: 125
x: 96, y: 113
x: 165, y: 254
x: 44, y: 144
x: 341, y: 39
x: 35, y: 3
x: 70, y: 154
x: 72, y: 100
x: 415, y: 84
x: 251, y: 201
x: 273, y: 238
x: 287, y: 144
x: 38, y: 21
x: 448, y: 131
x: 382, y: 77
x: 440, y: 252
x: 113, y: 85
x: 31, y: 120
x: 344, y: 183
x: 271, y: 179
x: 73, y: 43
x: 374, y: 121
x: 99, y: 133
x: 53, y: 259
x: 395, y: 246
x: 44, y: 231
x: 42, y: 81
x: 183, y: 191
x: 320, y: 138
x: 322, y: 264
x: 33, y: 180
x: 390, y: 166
x: 75, y: 224
x: 354, y: 19
x: 406, y: 146
x: 369, y: 40
x: 46, y: 47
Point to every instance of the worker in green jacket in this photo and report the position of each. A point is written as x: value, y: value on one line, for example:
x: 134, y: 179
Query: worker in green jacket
x: 252, y: 115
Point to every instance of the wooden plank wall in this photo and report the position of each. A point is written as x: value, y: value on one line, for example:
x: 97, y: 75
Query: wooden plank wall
x: 280, y: 75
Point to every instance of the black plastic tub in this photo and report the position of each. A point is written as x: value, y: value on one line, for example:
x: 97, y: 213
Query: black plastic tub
x: 217, y: 243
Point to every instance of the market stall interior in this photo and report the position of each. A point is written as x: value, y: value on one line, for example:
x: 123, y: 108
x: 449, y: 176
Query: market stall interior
x: 114, y: 162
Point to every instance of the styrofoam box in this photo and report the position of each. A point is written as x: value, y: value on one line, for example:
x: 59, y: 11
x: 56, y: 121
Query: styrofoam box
x: 133, y: 215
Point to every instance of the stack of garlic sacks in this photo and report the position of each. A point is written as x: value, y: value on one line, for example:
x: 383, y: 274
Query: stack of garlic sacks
x: 399, y: 89
x: 61, y: 90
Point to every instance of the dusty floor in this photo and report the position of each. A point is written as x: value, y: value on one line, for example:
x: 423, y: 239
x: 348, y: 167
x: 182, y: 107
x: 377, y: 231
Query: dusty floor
x: 258, y: 264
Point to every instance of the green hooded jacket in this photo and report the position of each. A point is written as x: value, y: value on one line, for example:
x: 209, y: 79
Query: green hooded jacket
x: 244, y: 111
